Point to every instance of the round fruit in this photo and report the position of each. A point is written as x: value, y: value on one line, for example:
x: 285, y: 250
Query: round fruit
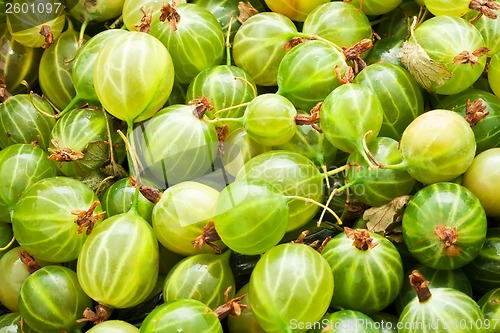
x: 482, y: 177
x: 276, y: 300
x: 355, y: 257
x: 444, y: 226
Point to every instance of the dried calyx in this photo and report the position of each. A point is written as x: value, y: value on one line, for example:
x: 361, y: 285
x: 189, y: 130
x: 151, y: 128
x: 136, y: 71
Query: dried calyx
x: 310, y: 119
x: 362, y: 239
x: 222, y: 133
x: 46, y: 32
x: 354, y: 52
x: 487, y: 8
x: 87, y: 218
x: 208, y: 236
x: 28, y: 261
x: 449, y: 237
x: 421, y: 286
x: 4, y: 93
x: 201, y: 106
x: 101, y: 314
x: 471, y: 58
x: 150, y: 193
x: 475, y: 112
x: 231, y: 307
x: 147, y: 17
x: 246, y: 11
x: 63, y: 154
x: 169, y: 13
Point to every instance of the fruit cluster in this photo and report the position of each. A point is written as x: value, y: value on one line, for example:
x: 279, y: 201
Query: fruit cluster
x: 249, y: 166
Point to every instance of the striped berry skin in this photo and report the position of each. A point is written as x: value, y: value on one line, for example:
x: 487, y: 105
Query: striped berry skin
x: 51, y: 300
x: 21, y: 122
x: 291, y: 282
x: 447, y: 309
x: 203, y: 277
x: 44, y: 222
x: 118, y: 265
x: 444, y: 226
x: 367, y: 279
x: 183, y: 315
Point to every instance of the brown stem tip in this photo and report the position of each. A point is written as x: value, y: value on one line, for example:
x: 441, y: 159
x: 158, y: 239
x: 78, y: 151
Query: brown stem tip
x: 294, y: 42
x: 101, y: 314
x: 201, y: 106
x: 354, y: 52
x: 168, y: 13
x: 487, y: 8
x: 222, y: 133
x: 63, y: 154
x: 471, y: 58
x: 46, y: 33
x: 421, y: 286
x: 309, y: 119
x: 361, y: 238
x: 28, y: 261
x: 448, y: 236
x: 475, y: 112
x: 246, y: 11
x: 87, y: 218
x: 150, y: 193
x: 232, y: 307
x: 208, y: 236
x: 147, y: 16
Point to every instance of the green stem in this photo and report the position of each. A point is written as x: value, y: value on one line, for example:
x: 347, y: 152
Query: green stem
x: 70, y: 105
x: 223, y: 121
x: 231, y: 108
x: 133, y: 165
x: 379, y: 20
x: 228, y: 42
x: 82, y: 33
x: 312, y: 201
x: 316, y: 37
x: 337, y: 170
x: 9, y: 244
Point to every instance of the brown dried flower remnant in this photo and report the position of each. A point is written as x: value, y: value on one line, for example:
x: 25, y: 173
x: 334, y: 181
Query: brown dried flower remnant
x: 4, y: 93
x: 46, y: 32
x: 222, y: 133
x: 294, y: 42
x: 246, y: 11
x: 361, y: 237
x: 101, y: 314
x: 421, y: 286
x: 354, y: 52
x: 449, y: 237
x: 208, y: 236
x: 472, y: 58
x: 487, y: 8
x: 348, y: 77
x: 168, y: 13
x: 202, y: 105
x: 231, y: 307
x: 28, y: 261
x: 87, y: 218
x: 475, y: 112
x: 145, y: 24
x: 63, y: 154
x: 150, y: 193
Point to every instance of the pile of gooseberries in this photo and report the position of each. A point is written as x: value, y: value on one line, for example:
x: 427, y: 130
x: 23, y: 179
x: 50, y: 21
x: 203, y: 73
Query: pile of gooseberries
x: 249, y: 166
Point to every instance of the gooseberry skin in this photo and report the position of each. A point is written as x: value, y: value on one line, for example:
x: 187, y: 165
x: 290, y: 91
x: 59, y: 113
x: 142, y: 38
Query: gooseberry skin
x: 294, y: 10
x: 118, y: 264
x: 448, y: 7
x: 487, y: 131
x: 348, y: 113
x: 294, y: 175
x: 339, y: 22
x: 258, y: 46
x: 437, y: 146
x: 290, y: 283
x: 47, y: 206
x: 270, y: 119
x: 399, y: 94
x: 444, y: 205
x: 494, y: 74
x: 180, y: 215
x: 203, y: 277
x: 378, y: 187
x: 183, y: 315
x: 251, y: 216
x: 483, y: 178
x: 51, y: 300
x: 197, y: 43
x: 133, y: 95
x: 445, y: 37
x: 439, y: 312
x: 354, y: 269
x: 376, y: 7
x: 113, y: 326
x: 316, y: 60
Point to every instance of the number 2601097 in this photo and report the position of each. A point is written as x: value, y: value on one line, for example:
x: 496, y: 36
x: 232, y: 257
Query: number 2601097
x: 32, y: 8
